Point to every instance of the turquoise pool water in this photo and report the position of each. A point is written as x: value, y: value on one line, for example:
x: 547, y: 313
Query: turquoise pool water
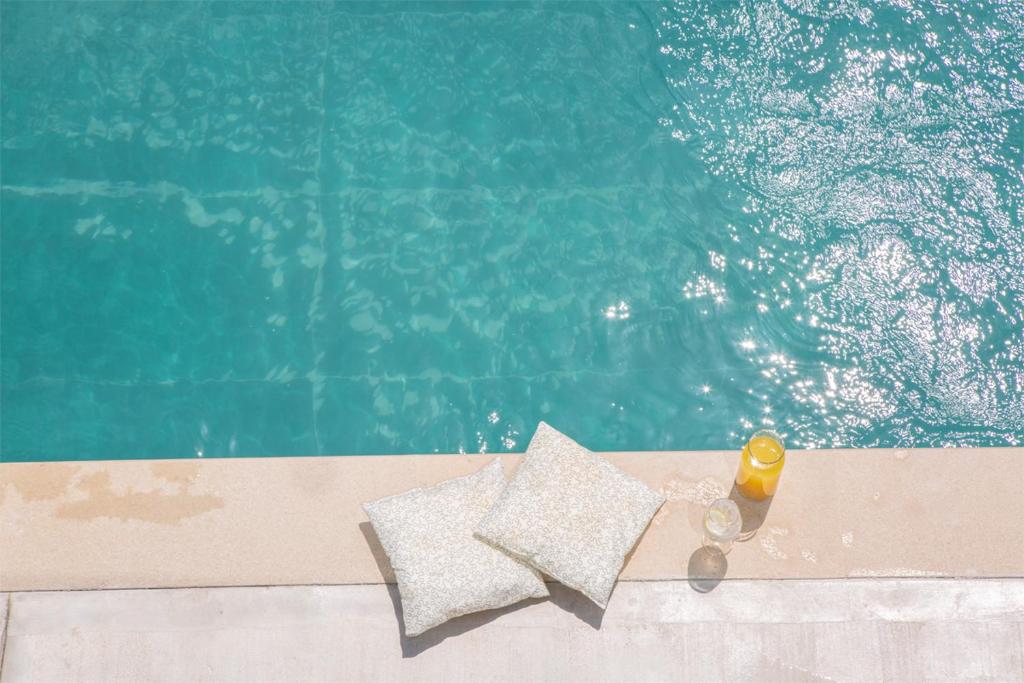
x: 316, y: 228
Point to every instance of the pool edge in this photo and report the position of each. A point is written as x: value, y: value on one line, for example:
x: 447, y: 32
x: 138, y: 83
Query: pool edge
x: 293, y: 521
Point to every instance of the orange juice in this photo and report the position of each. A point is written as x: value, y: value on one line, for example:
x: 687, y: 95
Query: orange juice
x: 760, y: 466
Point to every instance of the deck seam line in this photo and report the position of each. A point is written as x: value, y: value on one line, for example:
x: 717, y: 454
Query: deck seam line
x: 3, y: 641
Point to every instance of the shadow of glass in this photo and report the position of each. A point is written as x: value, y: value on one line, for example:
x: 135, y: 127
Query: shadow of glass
x: 753, y: 512
x: 706, y: 569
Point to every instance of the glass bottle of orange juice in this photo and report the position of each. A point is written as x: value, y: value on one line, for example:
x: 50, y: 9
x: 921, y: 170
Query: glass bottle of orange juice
x: 761, y: 465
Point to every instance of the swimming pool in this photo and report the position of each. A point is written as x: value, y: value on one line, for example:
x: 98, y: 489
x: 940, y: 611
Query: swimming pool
x: 319, y: 228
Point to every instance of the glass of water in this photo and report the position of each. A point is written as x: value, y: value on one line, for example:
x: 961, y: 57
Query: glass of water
x: 722, y: 523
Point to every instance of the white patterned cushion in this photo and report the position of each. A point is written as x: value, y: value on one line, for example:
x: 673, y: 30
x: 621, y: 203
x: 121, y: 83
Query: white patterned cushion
x: 443, y: 571
x: 570, y: 514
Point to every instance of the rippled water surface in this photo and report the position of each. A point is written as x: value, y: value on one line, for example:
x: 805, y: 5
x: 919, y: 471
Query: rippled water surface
x: 281, y: 229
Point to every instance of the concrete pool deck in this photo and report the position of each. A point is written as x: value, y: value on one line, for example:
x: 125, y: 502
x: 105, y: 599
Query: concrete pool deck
x: 745, y: 630
x: 852, y: 575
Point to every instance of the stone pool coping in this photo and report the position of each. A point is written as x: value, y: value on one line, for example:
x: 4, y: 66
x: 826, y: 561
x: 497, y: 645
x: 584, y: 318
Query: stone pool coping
x: 290, y: 521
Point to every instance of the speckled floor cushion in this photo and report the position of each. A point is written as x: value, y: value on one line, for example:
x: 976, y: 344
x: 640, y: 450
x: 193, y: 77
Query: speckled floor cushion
x: 570, y: 514
x: 443, y: 571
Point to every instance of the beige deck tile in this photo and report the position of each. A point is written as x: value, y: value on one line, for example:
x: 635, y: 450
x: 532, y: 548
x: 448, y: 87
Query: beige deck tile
x: 274, y: 521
